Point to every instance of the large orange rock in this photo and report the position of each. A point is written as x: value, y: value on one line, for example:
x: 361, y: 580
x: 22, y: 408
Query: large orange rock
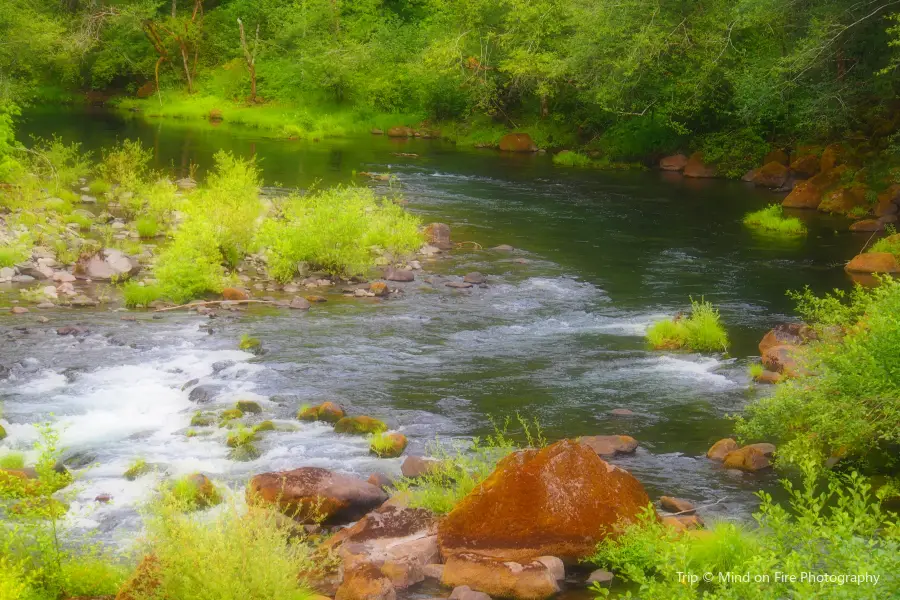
x: 747, y: 458
x: 844, y: 199
x: 401, y: 131
x: 609, y: 445
x: 310, y: 493
x: 777, y: 156
x: 695, y: 167
x: 720, y: 449
x: 832, y: 156
x: 887, y: 201
x: 438, y: 235
x: 517, y: 142
x: 365, y: 582
x: 806, y: 165
x: 786, y: 333
x: 676, y: 162
x: 499, y: 578
x: 557, y: 501
x: 873, y: 262
x: 867, y: 225
x: 329, y: 412
x: 784, y: 359
x: 772, y: 175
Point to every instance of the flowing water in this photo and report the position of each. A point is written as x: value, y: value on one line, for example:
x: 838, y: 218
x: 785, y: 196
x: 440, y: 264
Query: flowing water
x: 557, y: 334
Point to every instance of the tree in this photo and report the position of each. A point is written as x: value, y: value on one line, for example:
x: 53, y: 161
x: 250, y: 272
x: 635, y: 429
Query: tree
x: 250, y: 57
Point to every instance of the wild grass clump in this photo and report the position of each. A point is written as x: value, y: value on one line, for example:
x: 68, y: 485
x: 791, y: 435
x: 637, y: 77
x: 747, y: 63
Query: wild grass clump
x: 126, y: 164
x: 137, y: 468
x: 756, y: 370
x: 889, y: 244
x: 136, y: 295
x: 191, y: 493
x: 848, y: 406
x: 337, y: 230
x: 458, y: 470
x: 147, y: 227
x: 99, y: 187
x: 83, y: 222
x: 12, y: 460
x: 11, y: 256
x: 839, y: 530
x: 701, y: 331
x: 569, y: 158
x: 772, y: 220
x: 235, y: 555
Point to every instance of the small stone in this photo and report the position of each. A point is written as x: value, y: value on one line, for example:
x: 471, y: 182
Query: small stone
x: 399, y: 275
x: 248, y: 406
x: 475, y: 277
x: 235, y: 294
x: 600, y: 576
x: 621, y: 412
x: 103, y: 498
x: 554, y: 565
x: 503, y: 248
x: 683, y: 522
x: 316, y: 299
x: 19, y: 310
x: 45, y: 305
x: 299, y: 303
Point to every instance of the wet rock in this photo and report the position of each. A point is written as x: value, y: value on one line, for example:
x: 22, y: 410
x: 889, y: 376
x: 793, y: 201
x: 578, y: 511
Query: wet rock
x: 554, y: 565
x: 72, y: 330
x: 310, y: 493
x: 600, y: 576
x: 399, y: 275
x: 621, y: 412
x: 379, y: 288
x: 768, y: 377
x: 329, y: 412
x: 107, y: 264
x: 695, y: 167
x: 683, y: 522
x: 438, y: 235
x: 767, y: 449
x: 202, y: 394
x: 248, y: 406
x: 380, y: 480
x: 496, y: 577
x: 806, y: 194
x: 867, y: 225
x: 721, y: 448
x: 359, y: 425
x: 784, y: 359
x: 4, y: 372
x: 771, y: 175
x: 517, y: 142
x: 19, y: 310
x: 573, y: 500
x: 235, y: 294
x: 503, y: 248
x: 244, y: 453
x: 400, y: 131
x: 610, y: 445
x: 366, y: 582
x: 873, y: 262
x: 81, y: 301
x: 390, y: 445
x: 747, y: 458
x: 786, y: 334
x: 475, y: 278
x: 189, y: 384
x: 676, y: 505
x: 464, y: 592
x: 299, y: 303
x: 103, y: 498
x: 458, y: 284
x: 218, y: 367
x: 806, y: 165
x: 315, y: 298
x: 676, y: 162
x: 433, y: 571
x: 844, y: 199
x: 417, y: 466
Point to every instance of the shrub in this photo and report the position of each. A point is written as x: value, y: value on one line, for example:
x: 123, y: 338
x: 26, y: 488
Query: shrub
x: 890, y: 244
x: 772, y: 220
x: 11, y: 256
x: 126, y: 164
x: 84, y: 223
x: 137, y: 468
x: 699, y: 332
x: 136, y: 295
x: 191, y: 265
x: 568, y: 158
x: 147, y: 227
x: 336, y: 230
x: 842, y: 530
x: 733, y: 152
x: 191, y: 492
x: 12, y: 460
x: 59, y: 164
x: 99, y: 187
x: 849, y: 405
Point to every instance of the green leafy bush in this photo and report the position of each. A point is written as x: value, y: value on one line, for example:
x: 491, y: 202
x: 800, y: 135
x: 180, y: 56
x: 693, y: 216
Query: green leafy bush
x: 772, y: 220
x: 568, y: 158
x: 12, y: 460
x: 890, y: 244
x: 733, y: 152
x: 336, y: 230
x: 136, y: 295
x: 147, y: 227
x: 701, y: 331
x: 126, y: 164
x: 840, y: 531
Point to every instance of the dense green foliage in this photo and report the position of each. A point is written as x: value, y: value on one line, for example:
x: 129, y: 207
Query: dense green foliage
x: 700, y: 331
x: 849, y: 407
x: 842, y: 530
x: 772, y: 220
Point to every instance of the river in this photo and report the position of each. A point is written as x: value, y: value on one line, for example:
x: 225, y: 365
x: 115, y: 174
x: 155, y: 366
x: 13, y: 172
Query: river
x: 557, y: 335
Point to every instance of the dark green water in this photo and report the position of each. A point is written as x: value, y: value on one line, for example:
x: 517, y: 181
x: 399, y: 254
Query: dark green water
x: 557, y: 336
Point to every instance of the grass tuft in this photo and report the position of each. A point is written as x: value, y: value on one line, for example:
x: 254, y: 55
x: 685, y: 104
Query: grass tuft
x: 569, y: 158
x: 772, y: 220
x: 701, y: 331
x: 140, y: 296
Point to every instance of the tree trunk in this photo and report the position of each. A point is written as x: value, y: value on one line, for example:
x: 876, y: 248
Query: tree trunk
x: 250, y: 58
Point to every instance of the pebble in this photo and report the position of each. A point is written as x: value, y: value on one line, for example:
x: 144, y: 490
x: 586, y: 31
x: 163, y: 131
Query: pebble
x: 19, y: 310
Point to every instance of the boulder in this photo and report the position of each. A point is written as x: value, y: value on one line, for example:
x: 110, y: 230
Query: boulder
x: 399, y: 275
x: 772, y: 175
x: 683, y: 522
x: 768, y: 377
x: 873, y: 262
x: 19, y: 310
x: 783, y: 359
x: 401, y: 131
x: 747, y: 458
x: 749, y: 176
x: 844, y: 199
x: 804, y: 195
x: 235, y: 294
x: 417, y: 466
x: 379, y: 288
x: 438, y: 235
x: 786, y: 333
x: 600, y: 576
x: 832, y: 156
x: 202, y: 394
x: 499, y: 578
x: 695, y: 167
x: 308, y: 494
x: 766, y: 448
x: 720, y: 449
x: 106, y: 265
x: 888, y: 201
x: 806, y: 165
x: 360, y: 424
x: 215, y: 115
x: 676, y: 162
x: 867, y: 225
x: 433, y: 571
x: 557, y: 501
x: 248, y: 406
x: 365, y: 582
x: 390, y: 445
x: 380, y: 480
x: 610, y: 445
x: 556, y: 566
x: 778, y: 156
x: 517, y: 142
x: 299, y: 303
x: 676, y: 505
x: 464, y: 592
x: 329, y: 412
x: 474, y: 277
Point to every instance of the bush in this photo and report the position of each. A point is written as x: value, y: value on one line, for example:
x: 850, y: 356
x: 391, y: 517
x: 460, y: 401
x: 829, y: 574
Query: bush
x: 568, y: 158
x: 137, y: 468
x: 11, y: 256
x: 733, y: 152
x: 336, y: 230
x: 699, y: 332
x: 638, y: 139
x: 772, y: 220
x: 890, y: 244
x: 99, y: 187
x: 84, y: 223
x: 849, y: 405
x: 140, y: 296
x: 147, y: 227
x: 191, y: 493
x: 58, y: 164
x: 126, y: 164
x: 841, y: 531
x: 12, y: 460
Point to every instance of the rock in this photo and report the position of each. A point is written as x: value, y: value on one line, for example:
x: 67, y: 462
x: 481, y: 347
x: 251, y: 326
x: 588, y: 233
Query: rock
x: 772, y: 175
x: 248, y: 406
x: 475, y: 277
x: 621, y: 412
x: 783, y: 359
x: 4, y: 372
x: 464, y: 592
x: 360, y: 424
x: 786, y: 333
x: 767, y: 449
x: 329, y: 412
x: 390, y: 445
x: 22, y: 279
x: 676, y: 162
x: 399, y: 275
x: 517, y: 142
x: 676, y: 505
x: 778, y: 156
x: 235, y: 294
x: 379, y: 288
x: 749, y: 176
x: 376, y: 131
x: 216, y: 115
x: 315, y: 298
x: 380, y: 480
x: 366, y: 581
x: 554, y: 565
x: 873, y: 262
x: 103, y: 498
x: 496, y: 577
x: 186, y: 183
x: 438, y: 235
x: 19, y: 310
x: 401, y: 131
x: 806, y: 165
x: 202, y: 394
x: 106, y: 265
x: 695, y: 167
x: 433, y: 571
x: 887, y: 201
x: 557, y: 501
x: 417, y: 466
x: 747, y: 458
x: 609, y: 445
x: 832, y: 156
x: 82, y: 300
x: 721, y: 448
x: 299, y: 303
x: 768, y: 377
x: 844, y: 199
x: 683, y: 522
x: 7, y: 273
x: 72, y: 330
x: 867, y: 225
x: 503, y: 248
x: 600, y: 576
x: 461, y: 285
x: 311, y: 493
x: 804, y: 195
x: 143, y: 583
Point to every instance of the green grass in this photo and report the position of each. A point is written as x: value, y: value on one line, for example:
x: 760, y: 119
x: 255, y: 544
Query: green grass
x: 772, y: 220
x: 240, y: 437
x: 99, y: 187
x: 188, y: 496
x: 84, y: 223
x: 701, y: 331
x: 568, y: 158
x: 755, y: 370
x: 12, y: 460
x: 10, y: 257
x: 136, y: 295
x: 147, y: 227
x: 249, y: 343
x: 890, y: 244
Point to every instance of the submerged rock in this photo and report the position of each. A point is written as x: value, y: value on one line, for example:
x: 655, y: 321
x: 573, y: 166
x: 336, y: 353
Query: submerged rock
x: 475, y: 277
x: 438, y: 235
x: 390, y: 445
x: 361, y: 424
x: 329, y: 412
x: 399, y: 275
x: 676, y: 505
x: 610, y: 445
x: 721, y: 448
x: 417, y: 466
x: 747, y: 458
x: 202, y: 394
x: 235, y: 294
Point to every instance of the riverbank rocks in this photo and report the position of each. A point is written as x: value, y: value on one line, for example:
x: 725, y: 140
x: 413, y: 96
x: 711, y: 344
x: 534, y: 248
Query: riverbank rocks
x: 464, y: 592
x: 379, y: 288
x: 235, y: 294
x: 401, y: 131
x: 299, y: 303
x: 365, y: 582
x: 748, y: 458
x: 329, y: 412
x: 517, y: 142
x: 695, y: 167
x: 676, y: 162
x: 610, y: 445
x: 676, y: 505
x: 844, y: 199
x: 390, y: 445
x: 309, y: 494
x: 771, y: 175
x: 475, y: 278
x: 720, y: 449
x: 417, y: 466
x: 784, y: 359
x: 786, y: 334
x: 683, y: 523
x: 806, y: 165
x: 867, y: 225
x: 873, y: 262
x: 499, y: 578
x: 107, y: 264
x: 202, y: 394
x: 557, y: 501
x: 399, y: 275
x: 438, y: 235
x: 804, y: 195
x: 359, y: 425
